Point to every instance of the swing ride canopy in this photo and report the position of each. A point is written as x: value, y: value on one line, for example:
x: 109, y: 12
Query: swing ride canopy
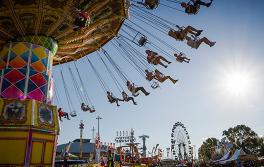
x: 49, y: 23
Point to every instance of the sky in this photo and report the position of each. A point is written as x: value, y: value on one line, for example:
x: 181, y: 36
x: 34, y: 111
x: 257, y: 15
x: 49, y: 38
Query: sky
x: 204, y: 99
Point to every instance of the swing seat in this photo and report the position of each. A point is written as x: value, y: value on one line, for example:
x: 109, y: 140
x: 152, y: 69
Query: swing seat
x: 111, y: 101
x: 154, y: 85
x: 135, y: 94
x: 92, y: 109
x: 85, y: 108
x: 73, y: 114
x: 142, y: 41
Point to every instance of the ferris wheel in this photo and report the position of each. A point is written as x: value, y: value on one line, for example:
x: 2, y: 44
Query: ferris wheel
x: 180, y: 143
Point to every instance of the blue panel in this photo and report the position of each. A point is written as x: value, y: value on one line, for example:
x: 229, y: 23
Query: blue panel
x: 31, y: 86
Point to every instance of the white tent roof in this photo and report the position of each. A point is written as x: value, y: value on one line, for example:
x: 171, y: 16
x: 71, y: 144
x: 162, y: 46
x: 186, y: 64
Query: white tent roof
x: 234, y: 157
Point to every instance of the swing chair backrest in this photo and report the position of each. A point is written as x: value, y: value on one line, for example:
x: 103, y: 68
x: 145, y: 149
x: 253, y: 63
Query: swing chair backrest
x: 140, y: 39
x: 154, y: 85
x: 92, y: 109
x: 73, y: 114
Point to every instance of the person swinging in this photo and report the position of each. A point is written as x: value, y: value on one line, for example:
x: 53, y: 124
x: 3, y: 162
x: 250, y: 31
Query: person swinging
x: 180, y: 58
x: 112, y: 99
x: 150, y: 4
x: 158, y: 76
x: 181, y: 34
x: 154, y: 58
x: 85, y: 108
x: 193, y: 6
x: 134, y: 90
x: 127, y: 98
x: 196, y: 42
x: 82, y: 20
x: 61, y: 113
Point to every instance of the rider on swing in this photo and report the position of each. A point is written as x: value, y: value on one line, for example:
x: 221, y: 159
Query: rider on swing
x: 154, y: 58
x: 127, y: 98
x: 85, y: 108
x: 63, y: 114
x: 134, y: 90
x: 82, y: 20
x: 180, y: 58
x: 150, y: 4
x: 196, y: 42
x: 158, y: 76
x: 181, y: 34
x: 193, y: 6
x: 113, y: 99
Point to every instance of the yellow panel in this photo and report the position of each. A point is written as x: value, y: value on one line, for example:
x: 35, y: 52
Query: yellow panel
x: 40, y: 52
x: 56, y: 119
x: 43, y: 136
x: 48, y: 152
x: 12, y: 151
x: 36, y: 153
x: 35, y: 113
x: 54, y: 126
x: 1, y: 106
x: 13, y: 134
x: 29, y: 112
x: 19, y: 48
x: 4, y: 51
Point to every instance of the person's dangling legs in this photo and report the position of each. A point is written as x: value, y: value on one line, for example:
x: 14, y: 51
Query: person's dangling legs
x: 142, y: 89
x: 131, y: 98
x: 207, y: 41
x: 199, y: 2
x: 193, y: 30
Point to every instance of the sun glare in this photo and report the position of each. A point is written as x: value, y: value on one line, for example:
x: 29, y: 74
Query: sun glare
x: 237, y: 83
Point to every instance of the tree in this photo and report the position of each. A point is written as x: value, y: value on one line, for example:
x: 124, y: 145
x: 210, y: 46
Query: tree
x: 207, y: 149
x: 241, y: 136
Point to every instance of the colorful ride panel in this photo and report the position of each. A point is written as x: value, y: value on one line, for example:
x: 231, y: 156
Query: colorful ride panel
x: 26, y: 71
x: 28, y: 133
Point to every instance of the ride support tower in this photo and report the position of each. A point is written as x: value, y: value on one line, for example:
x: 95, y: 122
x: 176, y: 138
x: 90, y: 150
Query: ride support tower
x: 35, y: 36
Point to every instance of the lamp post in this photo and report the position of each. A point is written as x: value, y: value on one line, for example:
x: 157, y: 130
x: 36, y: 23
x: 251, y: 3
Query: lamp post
x: 98, y: 119
x: 93, y: 130
x: 81, y: 127
x: 98, y: 138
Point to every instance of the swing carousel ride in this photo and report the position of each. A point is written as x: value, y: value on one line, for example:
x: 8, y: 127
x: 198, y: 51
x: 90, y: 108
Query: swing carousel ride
x: 36, y: 35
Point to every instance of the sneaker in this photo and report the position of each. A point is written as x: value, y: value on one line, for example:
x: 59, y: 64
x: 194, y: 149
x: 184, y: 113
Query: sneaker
x: 135, y: 103
x: 212, y: 44
x: 147, y: 93
x: 175, y: 81
x: 198, y: 33
x: 165, y: 66
x: 118, y: 105
x: 209, y: 4
x: 169, y: 62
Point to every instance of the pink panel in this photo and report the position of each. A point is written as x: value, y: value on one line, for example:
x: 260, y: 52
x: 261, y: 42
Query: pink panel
x: 12, y: 92
x: 14, y: 76
x: 37, y: 95
x: 38, y: 79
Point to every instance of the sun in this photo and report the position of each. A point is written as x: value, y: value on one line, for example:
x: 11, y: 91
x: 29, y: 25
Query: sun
x: 237, y: 82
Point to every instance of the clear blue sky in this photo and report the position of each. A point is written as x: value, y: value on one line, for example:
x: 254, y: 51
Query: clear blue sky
x: 199, y: 100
